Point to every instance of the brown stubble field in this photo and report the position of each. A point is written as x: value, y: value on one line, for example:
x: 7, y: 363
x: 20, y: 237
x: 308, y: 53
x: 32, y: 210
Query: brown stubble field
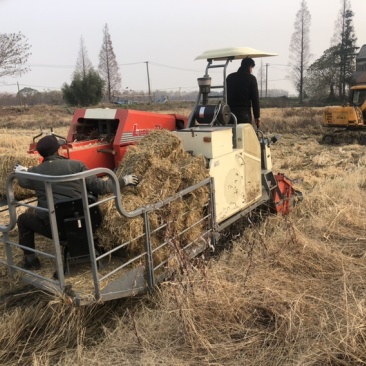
x: 286, y: 291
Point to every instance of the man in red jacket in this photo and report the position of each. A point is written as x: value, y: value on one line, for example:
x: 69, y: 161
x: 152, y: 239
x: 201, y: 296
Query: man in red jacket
x: 242, y: 93
x: 30, y: 222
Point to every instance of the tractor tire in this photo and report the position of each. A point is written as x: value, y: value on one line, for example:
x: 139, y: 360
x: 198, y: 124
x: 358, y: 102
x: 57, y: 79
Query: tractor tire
x: 328, y: 139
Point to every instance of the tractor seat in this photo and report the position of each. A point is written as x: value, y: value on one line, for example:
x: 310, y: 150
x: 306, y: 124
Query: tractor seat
x: 72, y: 229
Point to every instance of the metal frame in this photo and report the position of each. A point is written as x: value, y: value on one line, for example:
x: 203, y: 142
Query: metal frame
x: 131, y: 281
x: 223, y: 86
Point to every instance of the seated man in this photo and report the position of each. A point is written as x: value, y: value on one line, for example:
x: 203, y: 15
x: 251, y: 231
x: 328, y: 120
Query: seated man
x: 30, y: 222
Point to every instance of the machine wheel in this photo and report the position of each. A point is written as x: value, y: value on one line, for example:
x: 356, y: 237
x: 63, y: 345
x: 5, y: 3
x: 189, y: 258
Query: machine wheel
x: 296, y: 198
x: 362, y: 139
x: 328, y: 139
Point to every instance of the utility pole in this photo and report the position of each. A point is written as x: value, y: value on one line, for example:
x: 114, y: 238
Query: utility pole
x: 260, y: 75
x: 19, y: 96
x: 148, y: 79
x: 267, y: 79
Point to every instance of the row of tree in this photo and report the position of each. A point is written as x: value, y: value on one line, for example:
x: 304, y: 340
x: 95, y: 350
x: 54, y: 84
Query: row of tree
x: 88, y: 86
x: 331, y: 73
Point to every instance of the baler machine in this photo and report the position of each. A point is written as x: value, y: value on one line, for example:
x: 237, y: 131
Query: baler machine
x: 100, y: 136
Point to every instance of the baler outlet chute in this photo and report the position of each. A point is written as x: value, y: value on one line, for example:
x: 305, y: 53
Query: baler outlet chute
x: 284, y: 196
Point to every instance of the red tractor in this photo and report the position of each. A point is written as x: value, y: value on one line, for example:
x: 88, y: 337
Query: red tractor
x: 100, y: 136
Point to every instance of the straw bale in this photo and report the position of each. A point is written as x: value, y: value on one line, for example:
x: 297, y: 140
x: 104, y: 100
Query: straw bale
x: 163, y: 168
x: 163, y: 143
x: 159, y: 183
x: 191, y: 169
x: 8, y: 162
x: 117, y: 229
x: 136, y: 158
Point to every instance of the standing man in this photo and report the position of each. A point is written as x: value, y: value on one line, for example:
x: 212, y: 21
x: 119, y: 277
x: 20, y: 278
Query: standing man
x: 242, y: 93
x: 29, y: 222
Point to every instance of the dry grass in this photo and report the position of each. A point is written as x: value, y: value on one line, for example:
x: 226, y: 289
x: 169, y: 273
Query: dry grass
x: 289, y: 291
x: 34, y: 117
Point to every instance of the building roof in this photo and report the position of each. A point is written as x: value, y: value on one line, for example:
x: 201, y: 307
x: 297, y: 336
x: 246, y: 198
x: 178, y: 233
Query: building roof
x: 362, y: 53
x: 359, y: 77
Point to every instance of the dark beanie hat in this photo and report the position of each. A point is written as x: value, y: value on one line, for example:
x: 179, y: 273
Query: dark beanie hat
x: 247, y: 62
x: 48, y: 145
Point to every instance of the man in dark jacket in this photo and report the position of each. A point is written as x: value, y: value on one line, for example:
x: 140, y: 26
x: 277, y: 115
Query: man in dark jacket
x: 30, y: 222
x: 242, y: 93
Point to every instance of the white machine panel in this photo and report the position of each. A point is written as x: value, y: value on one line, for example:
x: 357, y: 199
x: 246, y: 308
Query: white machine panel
x: 210, y: 142
x: 247, y: 139
x: 236, y: 172
x: 237, y: 183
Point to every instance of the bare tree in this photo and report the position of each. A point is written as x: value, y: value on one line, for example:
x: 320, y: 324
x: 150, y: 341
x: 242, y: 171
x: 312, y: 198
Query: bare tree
x: 300, y: 48
x: 344, y: 40
x: 108, y: 66
x: 83, y: 63
x: 14, y: 53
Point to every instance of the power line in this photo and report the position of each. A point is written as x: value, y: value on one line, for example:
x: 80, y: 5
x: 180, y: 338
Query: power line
x: 52, y: 66
x: 40, y: 86
x: 72, y: 66
x: 55, y: 66
x: 126, y: 64
x: 174, y: 67
x: 132, y: 63
x: 279, y: 65
x: 34, y: 86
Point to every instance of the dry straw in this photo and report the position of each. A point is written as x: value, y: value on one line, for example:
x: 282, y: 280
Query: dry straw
x: 7, y: 165
x: 163, y: 168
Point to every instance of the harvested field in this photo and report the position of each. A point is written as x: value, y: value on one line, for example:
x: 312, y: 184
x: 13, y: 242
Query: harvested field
x: 280, y: 291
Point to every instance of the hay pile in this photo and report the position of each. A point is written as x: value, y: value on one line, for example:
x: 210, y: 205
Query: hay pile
x: 163, y: 168
x: 8, y: 162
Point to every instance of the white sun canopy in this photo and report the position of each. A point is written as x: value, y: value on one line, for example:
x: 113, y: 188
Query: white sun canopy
x: 233, y: 52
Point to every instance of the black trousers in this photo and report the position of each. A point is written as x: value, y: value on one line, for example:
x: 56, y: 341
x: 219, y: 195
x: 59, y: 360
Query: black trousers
x: 242, y: 115
x: 28, y: 224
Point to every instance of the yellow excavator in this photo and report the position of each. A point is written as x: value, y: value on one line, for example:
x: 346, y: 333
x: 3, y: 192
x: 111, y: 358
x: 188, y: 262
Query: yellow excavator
x: 350, y: 117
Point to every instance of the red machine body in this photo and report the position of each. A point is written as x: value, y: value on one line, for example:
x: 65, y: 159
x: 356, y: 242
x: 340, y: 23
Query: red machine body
x: 99, y: 137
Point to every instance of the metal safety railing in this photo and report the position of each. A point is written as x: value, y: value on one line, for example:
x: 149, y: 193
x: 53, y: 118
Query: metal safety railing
x: 135, y: 274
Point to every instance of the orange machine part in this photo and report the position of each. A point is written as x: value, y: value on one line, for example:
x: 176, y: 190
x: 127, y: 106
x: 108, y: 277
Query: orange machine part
x: 282, y: 196
x: 132, y: 127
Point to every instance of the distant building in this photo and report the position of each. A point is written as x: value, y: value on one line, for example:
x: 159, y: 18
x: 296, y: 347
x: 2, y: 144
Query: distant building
x: 359, y: 76
x: 162, y: 99
x: 28, y: 92
x: 276, y: 93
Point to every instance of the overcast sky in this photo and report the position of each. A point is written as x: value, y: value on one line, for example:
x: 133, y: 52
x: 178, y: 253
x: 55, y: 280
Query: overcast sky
x: 168, y: 34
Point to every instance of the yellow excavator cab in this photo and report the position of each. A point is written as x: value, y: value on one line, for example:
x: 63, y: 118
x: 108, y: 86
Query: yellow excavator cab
x: 348, y: 121
x: 339, y: 116
x: 352, y: 115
